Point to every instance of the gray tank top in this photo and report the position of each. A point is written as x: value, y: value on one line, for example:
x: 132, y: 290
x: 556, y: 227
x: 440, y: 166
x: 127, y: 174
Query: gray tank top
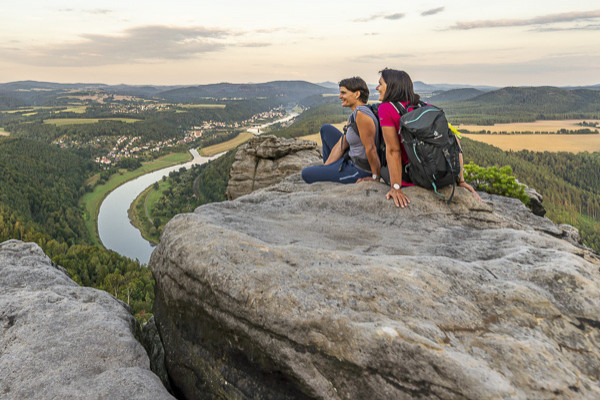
x: 357, y: 150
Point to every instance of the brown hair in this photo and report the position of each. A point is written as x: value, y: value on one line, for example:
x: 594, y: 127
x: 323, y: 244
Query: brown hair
x: 355, y: 84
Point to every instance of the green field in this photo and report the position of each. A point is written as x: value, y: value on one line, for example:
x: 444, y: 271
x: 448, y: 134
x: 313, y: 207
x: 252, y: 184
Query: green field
x: 91, y: 201
x: 140, y: 212
x: 76, y: 109
x: 3, y: 132
x: 81, y: 121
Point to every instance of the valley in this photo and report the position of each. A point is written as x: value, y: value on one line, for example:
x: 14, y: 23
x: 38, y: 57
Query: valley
x: 64, y: 149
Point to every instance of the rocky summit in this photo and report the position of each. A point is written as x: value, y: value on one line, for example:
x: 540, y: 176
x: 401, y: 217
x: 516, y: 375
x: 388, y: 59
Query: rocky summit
x: 266, y: 160
x: 329, y: 291
x: 59, y: 340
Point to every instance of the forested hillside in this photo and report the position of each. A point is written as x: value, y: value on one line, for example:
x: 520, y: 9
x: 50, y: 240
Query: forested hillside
x: 184, y: 190
x: 513, y: 104
x: 455, y: 95
x: 327, y: 111
x: 284, y: 91
x: 40, y: 186
x: 569, y: 183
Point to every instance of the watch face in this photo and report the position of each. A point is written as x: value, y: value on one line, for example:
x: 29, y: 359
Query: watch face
x: 396, y: 186
x: 374, y: 176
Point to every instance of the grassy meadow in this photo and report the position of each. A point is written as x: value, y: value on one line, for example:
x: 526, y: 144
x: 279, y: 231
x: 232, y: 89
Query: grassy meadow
x: 91, y: 201
x: 140, y: 212
x: 3, y: 132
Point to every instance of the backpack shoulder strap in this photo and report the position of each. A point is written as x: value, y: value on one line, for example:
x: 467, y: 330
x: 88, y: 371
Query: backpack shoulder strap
x: 399, y: 107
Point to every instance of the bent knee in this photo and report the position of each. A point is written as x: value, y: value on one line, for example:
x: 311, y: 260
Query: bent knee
x: 308, y: 175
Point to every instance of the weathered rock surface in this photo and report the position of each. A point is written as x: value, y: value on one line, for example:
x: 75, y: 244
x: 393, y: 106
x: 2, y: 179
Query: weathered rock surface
x: 59, y: 340
x: 329, y: 291
x: 266, y: 160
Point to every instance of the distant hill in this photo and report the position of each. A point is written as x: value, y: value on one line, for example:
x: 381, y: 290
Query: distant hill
x: 140, y: 91
x: 446, y: 86
x: 48, y: 86
x: 287, y: 91
x: 329, y: 85
x: 421, y: 87
x: 523, y: 104
x: 455, y: 95
x: 10, y: 102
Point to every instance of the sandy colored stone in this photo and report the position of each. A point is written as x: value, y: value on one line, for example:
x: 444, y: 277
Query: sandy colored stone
x: 266, y: 160
x: 59, y: 340
x: 328, y: 291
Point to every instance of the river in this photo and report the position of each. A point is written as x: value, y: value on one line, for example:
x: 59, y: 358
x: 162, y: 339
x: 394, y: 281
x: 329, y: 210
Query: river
x: 114, y: 227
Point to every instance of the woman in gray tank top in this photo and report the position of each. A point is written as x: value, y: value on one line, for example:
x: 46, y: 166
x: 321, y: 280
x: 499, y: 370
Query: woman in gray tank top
x: 351, y: 156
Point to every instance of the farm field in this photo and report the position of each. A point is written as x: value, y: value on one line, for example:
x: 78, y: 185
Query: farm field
x: 225, y: 146
x: 537, y: 126
x: 81, y: 121
x: 540, y: 142
x: 316, y: 137
x: 3, y: 132
x: 551, y: 142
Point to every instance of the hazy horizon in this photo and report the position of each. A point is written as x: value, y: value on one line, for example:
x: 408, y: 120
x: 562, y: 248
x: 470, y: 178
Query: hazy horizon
x: 463, y: 42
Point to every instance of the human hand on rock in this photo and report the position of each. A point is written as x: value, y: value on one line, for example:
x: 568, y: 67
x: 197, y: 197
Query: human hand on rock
x: 469, y: 188
x: 400, y: 198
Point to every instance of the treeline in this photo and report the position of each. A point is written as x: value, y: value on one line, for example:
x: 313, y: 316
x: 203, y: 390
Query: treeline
x: 147, y: 129
x: 311, y: 120
x: 569, y: 183
x: 561, y: 131
x: 40, y: 187
x: 188, y: 189
x: 513, y: 104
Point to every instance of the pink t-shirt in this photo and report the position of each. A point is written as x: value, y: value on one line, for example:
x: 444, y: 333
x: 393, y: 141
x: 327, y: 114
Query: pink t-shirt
x: 388, y: 116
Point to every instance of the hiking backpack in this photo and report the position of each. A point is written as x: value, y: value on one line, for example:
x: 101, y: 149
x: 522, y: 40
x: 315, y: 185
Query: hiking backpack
x: 432, y: 149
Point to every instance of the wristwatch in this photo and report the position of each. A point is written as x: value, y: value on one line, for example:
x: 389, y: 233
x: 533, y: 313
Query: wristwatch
x: 374, y: 176
x: 396, y: 186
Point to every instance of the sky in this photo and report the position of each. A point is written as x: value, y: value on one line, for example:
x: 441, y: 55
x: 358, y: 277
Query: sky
x: 176, y: 42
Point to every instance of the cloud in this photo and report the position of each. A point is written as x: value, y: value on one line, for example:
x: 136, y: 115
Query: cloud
x: 254, y: 44
x: 394, y: 16
x: 590, y: 27
x: 134, y: 45
x: 94, y: 11
x: 381, y: 57
x: 379, y: 16
x: 99, y: 11
x: 545, y: 19
x: 432, y: 11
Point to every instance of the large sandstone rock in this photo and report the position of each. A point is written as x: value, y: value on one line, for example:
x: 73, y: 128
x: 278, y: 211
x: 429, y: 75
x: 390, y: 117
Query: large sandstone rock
x: 59, y: 340
x: 328, y: 291
x: 266, y: 160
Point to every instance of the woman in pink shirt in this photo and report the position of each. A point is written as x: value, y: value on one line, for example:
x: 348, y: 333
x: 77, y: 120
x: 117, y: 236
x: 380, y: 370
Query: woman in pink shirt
x: 396, y: 86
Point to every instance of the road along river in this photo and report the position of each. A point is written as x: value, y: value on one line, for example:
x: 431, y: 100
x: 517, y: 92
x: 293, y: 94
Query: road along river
x: 114, y: 227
